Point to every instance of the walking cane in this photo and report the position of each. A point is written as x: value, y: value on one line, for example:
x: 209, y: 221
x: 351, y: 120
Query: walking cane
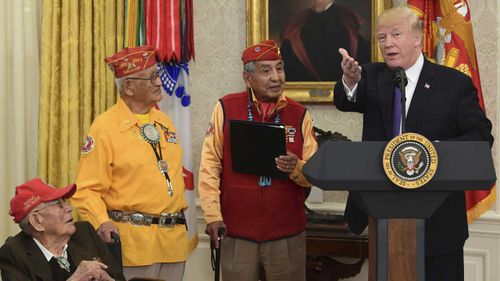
x: 216, y: 260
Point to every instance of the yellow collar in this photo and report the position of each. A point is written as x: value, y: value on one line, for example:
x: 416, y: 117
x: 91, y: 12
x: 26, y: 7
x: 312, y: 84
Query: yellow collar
x: 127, y: 119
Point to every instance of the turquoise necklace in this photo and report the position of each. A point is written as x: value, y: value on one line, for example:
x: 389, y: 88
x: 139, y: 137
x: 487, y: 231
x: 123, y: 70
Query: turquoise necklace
x: 263, y: 181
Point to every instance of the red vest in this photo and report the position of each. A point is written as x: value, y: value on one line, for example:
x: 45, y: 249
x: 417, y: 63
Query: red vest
x: 249, y: 210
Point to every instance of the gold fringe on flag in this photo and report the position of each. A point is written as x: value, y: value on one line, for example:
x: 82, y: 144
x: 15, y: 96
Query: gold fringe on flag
x: 482, y: 206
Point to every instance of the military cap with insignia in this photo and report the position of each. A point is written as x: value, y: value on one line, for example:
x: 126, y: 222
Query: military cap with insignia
x: 266, y: 50
x: 131, y: 60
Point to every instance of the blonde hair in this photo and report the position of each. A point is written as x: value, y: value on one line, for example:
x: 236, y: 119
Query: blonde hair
x: 400, y: 13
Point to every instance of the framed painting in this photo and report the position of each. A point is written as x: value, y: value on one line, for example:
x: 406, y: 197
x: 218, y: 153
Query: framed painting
x: 309, y: 36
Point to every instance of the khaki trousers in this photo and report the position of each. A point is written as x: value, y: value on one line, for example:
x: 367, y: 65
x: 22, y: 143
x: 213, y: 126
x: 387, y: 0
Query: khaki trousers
x: 167, y: 271
x: 282, y: 260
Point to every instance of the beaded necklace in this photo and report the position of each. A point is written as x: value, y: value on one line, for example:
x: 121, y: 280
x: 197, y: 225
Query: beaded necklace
x: 263, y: 181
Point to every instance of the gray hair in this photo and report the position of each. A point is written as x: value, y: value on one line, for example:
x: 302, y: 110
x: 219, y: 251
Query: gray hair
x: 119, y: 84
x: 26, y: 227
x: 249, y: 67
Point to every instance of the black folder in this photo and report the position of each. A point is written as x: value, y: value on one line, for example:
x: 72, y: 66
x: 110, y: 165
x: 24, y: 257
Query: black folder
x: 255, y: 145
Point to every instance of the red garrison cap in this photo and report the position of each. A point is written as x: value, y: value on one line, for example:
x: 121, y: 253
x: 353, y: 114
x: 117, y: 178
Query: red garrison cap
x: 131, y: 60
x: 266, y: 50
x: 32, y: 193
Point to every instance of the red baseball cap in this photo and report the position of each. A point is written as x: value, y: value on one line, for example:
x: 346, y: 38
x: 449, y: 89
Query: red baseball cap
x: 266, y: 50
x: 131, y: 60
x: 30, y: 194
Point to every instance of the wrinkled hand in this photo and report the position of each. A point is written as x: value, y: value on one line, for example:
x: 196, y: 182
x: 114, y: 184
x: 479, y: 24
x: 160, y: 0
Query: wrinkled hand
x: 351, y: 69
x: 286, y: 163
x: 91, y: 271
x: 104, y: 231
x: 212, y: 230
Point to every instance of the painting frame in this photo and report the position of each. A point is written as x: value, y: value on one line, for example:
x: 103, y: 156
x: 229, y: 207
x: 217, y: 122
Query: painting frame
x: 304, y: 91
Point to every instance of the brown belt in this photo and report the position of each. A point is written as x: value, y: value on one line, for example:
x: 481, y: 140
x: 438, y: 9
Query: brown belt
x: 137, y: 218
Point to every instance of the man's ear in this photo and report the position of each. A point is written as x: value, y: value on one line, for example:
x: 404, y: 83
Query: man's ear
x: 36, y: 222
x: 418, y: 40
x: 246, y: 78
x: 127, y: 88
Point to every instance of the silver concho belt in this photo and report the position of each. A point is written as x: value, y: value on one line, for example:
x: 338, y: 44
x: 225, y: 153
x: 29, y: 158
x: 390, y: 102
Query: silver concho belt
x: 136, y: 218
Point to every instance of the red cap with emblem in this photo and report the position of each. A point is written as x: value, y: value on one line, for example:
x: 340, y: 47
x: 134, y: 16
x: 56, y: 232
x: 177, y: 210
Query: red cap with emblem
x: 131, y: 60
x: 266, y: 50
x: 32, y: 193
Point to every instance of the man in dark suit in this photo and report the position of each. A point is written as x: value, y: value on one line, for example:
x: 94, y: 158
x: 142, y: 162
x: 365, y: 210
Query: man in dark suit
x: 51, y: 247
x: 441, y: 104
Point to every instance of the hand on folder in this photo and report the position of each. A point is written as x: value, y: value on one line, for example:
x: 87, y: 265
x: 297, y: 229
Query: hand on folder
x: 286, y: 163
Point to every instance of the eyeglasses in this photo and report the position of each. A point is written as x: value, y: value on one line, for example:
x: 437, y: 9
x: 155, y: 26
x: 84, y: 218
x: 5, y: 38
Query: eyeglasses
x: 59, y: 202
x: 152, y: 78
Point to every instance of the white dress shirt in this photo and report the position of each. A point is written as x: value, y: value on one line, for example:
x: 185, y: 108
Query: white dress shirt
x: 412, y: 73
x: 48, y: 255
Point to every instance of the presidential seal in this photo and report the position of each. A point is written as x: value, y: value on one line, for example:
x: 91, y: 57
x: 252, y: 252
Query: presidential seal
x: 150, y: 133
x: 410, y: 160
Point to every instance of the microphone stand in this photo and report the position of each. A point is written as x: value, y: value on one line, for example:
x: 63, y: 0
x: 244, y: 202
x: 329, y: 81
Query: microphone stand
x: 400, y: 80
x: 402, y: 89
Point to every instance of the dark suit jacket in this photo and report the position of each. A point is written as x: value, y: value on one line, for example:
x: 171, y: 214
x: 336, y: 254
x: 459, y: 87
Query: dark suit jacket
x: 444, y: 107
x: 21, y: 259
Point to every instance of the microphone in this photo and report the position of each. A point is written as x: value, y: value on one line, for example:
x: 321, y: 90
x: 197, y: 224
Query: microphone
x: 400, y: 79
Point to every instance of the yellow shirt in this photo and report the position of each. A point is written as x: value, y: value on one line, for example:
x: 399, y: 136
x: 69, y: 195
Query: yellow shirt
x: 211, y: 159
x: 118, y: 171
x: 142, y: 118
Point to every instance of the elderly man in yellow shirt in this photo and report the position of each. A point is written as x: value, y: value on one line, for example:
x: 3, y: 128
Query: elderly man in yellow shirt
x: 130, y: 177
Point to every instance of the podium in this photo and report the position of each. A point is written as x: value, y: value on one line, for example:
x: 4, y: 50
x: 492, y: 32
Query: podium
x: 399, y: 213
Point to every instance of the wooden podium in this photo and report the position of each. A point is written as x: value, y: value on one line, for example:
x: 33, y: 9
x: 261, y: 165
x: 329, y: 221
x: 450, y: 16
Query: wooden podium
x: 397, y: 231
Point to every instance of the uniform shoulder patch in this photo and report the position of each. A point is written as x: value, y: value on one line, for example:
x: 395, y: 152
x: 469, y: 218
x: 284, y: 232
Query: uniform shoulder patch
x: 210, y: 130
x: 88, y: 144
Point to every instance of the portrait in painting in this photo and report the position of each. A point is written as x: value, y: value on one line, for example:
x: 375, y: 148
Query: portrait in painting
x: 310, y: 32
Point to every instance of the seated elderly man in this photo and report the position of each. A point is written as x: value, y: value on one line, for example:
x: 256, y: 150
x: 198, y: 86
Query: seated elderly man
x: 51, y: 246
